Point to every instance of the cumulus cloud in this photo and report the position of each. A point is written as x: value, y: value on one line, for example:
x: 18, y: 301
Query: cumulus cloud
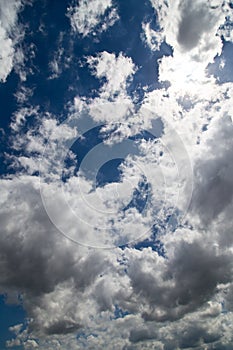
x: 51, y: 272
x: 78, y: 296
x: 193, y: 32
x: 154, y: 292
x: 71, y: 289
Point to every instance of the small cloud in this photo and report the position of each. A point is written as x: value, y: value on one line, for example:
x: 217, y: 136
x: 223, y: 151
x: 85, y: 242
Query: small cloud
x: 87, y: 15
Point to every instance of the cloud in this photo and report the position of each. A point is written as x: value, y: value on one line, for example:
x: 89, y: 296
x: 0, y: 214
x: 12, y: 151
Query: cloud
x: 168, y: 290
x: 9, y: 37
x: 61, y: 58
x: 88, y: 15
x: 73, y: 280
x: 55, y: 65
x: 213, y: 188
x: 51, y: 273
x: 80, y: 297
x: 191, y: 26
x: 71, y: 289
x: 226, y: 29
x: 117, y: 70
x: 151, y: 37
x: 192, y: 31
x: 196, y: 21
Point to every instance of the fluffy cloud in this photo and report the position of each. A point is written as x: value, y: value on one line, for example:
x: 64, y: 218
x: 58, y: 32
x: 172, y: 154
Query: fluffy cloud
x: 80, y: 297
x: 116, y: 71
x: 154, y: 293
x: 193, y: 32
x: 194, y: 278
x: 88, y: 15
x: 49, y: 267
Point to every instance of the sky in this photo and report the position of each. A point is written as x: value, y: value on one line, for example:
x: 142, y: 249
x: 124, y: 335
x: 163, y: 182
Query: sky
x: 116, y: 170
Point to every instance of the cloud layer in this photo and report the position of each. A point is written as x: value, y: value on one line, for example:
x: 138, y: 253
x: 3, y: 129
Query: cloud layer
x: 167, y: 281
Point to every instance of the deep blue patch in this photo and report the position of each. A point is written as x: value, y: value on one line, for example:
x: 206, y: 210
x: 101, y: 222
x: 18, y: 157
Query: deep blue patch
x: 10, y: 316
x: 109, y: 172
x: 92, y: 138
x: 84, y: 144
x: 8, y: 102
x: 156, y: 246
x: 141, y: 196
x: 223, y: 74
x: 119, y: 313
x: 8, y: 107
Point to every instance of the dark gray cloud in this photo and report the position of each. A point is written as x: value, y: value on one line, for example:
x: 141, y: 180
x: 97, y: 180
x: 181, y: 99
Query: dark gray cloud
x: 184, y: 334
x: 138, y: 335
x: 213, y: 183
x: 62, y: 327
x: 35, y: 259
x: 185, y: 283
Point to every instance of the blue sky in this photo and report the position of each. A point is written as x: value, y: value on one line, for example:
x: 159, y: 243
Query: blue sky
x: 10, y: 315
x: 116, y: 174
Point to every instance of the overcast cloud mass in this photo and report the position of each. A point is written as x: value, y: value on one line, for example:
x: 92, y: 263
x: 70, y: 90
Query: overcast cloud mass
x: 116, y: 174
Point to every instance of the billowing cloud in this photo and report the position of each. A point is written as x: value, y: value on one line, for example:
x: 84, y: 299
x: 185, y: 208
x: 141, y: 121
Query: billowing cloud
x: 193, y: 32
x: 93, y: 269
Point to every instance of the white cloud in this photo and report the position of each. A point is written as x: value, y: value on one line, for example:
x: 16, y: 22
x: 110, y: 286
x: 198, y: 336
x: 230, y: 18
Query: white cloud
x: 22, y: 114
x: 7, y: 53
x: 192, y: 31
x: 117, y: 70
x: 23, y: 94
x: 78, y: 288
x: 87, y: 15
x: 61, y: 58
x: 178, y: 301
x: 9, y: 37
x: 55, y: 65
x: 151, y: 37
